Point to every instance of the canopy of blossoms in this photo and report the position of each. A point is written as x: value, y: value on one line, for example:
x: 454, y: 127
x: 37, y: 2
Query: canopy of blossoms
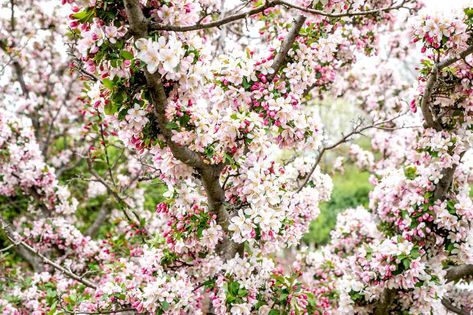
x: 110, y: 106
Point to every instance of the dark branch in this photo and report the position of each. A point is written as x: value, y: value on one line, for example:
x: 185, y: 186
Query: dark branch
x: 358, y: 129
x: 286, y: 46
x: 459, y: 272
x: 261, y: 9
x: 449, y: 306
x: 387, y: 297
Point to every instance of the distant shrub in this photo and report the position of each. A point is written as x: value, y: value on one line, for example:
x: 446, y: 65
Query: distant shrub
x: 350, y: 190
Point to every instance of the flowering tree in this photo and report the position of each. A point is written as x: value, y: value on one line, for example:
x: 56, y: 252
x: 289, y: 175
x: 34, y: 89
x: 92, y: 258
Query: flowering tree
x: 178, y: 105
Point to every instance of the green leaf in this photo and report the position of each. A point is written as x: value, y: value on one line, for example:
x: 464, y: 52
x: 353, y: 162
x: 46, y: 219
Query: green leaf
x: 108, y: 83
x: 122, y: 114
x: 242, y: 292
x: 468, y: 12
x: 184, y: 120
x: 233, y: 287
x: 415, y: 253
x: 109, y: 108
x: 283, y: 297
x: 126, y: 55
x: 246, y: 84
x: 406, y: 263
x: 84, y: 16
x: 165, y: 306
x: 451, y: 207
x: 410, y: 172
x: 274, y: 312
x: 172, y: 125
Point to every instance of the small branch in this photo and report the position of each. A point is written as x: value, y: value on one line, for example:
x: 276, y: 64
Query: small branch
x: 121, y: 201
x: 105, y: 149
x: 424, y: 105
x: 98, y: 312
x: 87, y: 74
x: 345, y: 14
x: 18, y: 70
x: 218, y: 23
x: 19, y: 243
x: 449, y: 306
x: 32, y: 260
x: 451, y: 61
x: 109, y: 187
x: 123, y: 310
x: 67, y: 96
x: 356, y: 131
x: 99, y: 220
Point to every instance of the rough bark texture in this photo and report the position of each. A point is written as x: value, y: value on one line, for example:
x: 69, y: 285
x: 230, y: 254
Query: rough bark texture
x: 446, y: 303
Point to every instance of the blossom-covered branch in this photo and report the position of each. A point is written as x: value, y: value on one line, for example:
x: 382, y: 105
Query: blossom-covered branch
x: 267, y: 5
x: 6, y: 228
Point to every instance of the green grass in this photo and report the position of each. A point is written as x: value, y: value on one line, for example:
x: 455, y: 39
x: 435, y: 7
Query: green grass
x: 349, y: 190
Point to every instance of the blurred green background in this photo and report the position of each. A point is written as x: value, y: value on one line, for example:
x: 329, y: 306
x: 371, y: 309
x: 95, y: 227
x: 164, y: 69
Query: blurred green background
x: 350, y: 189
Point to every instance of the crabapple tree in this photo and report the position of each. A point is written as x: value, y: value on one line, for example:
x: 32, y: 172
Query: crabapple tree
x: 166, y: 157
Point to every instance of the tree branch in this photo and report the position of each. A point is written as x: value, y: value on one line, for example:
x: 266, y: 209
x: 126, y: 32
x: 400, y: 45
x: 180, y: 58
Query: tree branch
x: 104, y: 212
x: 445, y: 182
x: 10, y: 233
x: 387, y: 297
x: 18, y: 70
x: 430, y: 85
x: 218, y: 23
x: 449, y: 306
x: 261, y: 9
x: 286, y: 46
x: 345, y: 14
x: 210, y: 174
x: 459, y: 272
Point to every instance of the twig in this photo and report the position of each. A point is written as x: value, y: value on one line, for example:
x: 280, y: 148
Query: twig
x: 356, y: 131
x: 10, y: 235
